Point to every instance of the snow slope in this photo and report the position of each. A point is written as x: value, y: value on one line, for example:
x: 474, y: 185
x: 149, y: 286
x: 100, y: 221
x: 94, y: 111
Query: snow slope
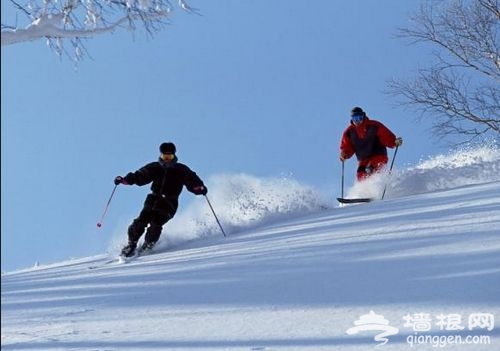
x: 294, y: 273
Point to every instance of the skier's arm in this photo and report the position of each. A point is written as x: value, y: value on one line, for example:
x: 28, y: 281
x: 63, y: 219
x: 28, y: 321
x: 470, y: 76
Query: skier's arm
x: 139, y: 177
x: 346, y: 148
x: 193, y: 183
x: 386, y: 137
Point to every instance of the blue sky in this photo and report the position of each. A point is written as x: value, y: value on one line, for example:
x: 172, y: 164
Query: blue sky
x: 256, y: 87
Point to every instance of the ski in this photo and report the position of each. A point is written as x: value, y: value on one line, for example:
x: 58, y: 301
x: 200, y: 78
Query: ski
x: 353, y: 201
x: 122, y: 259
x: 117, y: 260
x: 105, y: 263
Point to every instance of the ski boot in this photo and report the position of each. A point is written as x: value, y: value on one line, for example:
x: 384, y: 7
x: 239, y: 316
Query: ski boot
x: 146, y: 248
x: 129, y: 250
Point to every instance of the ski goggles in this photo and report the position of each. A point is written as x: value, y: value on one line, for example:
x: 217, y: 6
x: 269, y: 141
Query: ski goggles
x: 357, y: 118
x: 167, y: 157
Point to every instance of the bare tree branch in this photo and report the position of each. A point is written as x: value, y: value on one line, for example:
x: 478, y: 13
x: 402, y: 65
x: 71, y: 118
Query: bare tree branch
x: 460, y: 91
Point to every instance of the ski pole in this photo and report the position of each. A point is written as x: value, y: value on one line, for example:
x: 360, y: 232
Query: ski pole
x: 390, y: 169
x: 99, y: 224
x: 342, y: 191
x: 217, y: 219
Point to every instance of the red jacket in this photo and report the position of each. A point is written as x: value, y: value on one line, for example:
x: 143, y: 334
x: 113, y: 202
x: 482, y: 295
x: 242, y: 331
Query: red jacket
x: 370, y: 138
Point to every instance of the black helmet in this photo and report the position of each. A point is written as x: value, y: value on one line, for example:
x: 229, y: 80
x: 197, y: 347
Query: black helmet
x: 167, y: 148
x: 357, y: 111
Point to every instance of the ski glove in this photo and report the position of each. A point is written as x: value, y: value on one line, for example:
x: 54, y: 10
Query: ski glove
x: 343, y: 156
x: 119, y: 180
x: 398, y: 141
x: 200, y: 190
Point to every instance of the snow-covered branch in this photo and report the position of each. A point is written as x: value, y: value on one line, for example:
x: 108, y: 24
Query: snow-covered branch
x: 73, y: 20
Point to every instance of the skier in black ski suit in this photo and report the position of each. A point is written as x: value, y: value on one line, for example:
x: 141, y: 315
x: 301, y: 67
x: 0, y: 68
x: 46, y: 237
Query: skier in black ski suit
x: 168, y: 177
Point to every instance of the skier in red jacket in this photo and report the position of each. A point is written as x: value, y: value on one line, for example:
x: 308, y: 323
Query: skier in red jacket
x: 369, y: 140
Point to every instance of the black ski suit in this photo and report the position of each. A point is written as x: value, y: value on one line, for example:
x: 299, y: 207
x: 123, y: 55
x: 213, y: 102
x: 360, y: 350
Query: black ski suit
x: 161, y: 204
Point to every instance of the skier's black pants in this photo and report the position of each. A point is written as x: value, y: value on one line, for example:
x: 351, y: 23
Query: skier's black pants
x: 155, y: 214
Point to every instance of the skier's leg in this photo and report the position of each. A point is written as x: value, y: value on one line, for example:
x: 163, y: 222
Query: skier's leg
x: 361, y: 172
x: 377, y: 163
x: 155, y: 227
x: 135, y: 231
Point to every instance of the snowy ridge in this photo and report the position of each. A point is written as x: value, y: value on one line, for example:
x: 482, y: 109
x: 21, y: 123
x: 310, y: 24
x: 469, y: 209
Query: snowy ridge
x: 282, y: 281
x: 461, y: 167
x: 466, y: 166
